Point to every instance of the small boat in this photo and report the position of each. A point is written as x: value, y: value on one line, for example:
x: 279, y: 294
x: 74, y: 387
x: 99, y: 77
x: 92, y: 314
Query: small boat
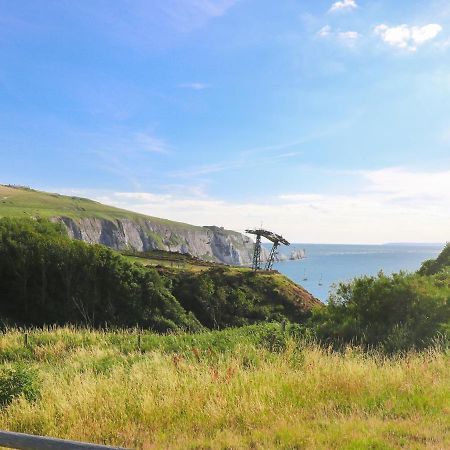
x: 305, y: 278
x: 320, y: 280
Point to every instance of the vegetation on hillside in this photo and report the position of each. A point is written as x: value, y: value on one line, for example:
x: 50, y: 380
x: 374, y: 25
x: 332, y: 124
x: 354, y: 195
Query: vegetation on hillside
x: 174, y: 260
x: 440, y: 264
x: 252, y: 387
x: 47, y: 278
x: 397, y: 312
x: 223, y: 297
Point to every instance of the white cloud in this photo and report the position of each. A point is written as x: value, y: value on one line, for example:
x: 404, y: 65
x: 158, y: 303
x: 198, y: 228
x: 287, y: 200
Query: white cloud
x: 348, y: 37
x: 394, y: 205
x: 344, y: 5
x: 416, y: 187
x: 324, y: 31
x: 195, y: 86
x: 407, y: 37
x: 345, y: 37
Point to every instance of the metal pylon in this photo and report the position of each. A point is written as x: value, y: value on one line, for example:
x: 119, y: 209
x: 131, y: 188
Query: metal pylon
x: 256, y: 265
x: 276, y: 239
x: 272, y: 254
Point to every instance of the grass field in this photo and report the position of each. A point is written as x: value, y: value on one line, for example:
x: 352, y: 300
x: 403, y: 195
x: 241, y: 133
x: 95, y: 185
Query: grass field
x: 253, y: 387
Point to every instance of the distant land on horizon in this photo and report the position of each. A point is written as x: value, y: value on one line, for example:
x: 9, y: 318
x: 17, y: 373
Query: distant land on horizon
x: 414, y: 243
x: 428, y: 244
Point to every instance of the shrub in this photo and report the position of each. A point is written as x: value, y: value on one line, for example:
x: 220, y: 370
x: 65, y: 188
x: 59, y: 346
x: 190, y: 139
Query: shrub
x: 396, y: 312
x: 18, y: 381
x: 433, y: 266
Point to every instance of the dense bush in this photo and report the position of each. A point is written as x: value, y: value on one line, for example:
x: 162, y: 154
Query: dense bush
x: 17, y: 381
x: 221, y: 298
x: 395, y: 312
x: 440, y: 264
x: 46, y: 278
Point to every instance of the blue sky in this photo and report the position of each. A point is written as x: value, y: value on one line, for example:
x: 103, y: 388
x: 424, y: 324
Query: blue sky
x: 326, y: 121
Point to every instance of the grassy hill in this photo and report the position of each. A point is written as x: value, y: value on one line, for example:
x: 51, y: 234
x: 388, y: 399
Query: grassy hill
x: 20, y: 201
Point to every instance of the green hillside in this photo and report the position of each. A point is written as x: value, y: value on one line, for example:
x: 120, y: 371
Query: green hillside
x: 19, y: 201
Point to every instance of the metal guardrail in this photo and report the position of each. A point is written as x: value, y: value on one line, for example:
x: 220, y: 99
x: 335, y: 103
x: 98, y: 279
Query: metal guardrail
x: 23, y: 441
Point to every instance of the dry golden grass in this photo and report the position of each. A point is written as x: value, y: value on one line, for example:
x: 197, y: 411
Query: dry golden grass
x: 302, y: 397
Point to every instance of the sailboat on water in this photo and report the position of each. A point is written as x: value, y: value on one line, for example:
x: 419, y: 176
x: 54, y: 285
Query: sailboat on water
x: 305, y: 278
x: 320, y: 280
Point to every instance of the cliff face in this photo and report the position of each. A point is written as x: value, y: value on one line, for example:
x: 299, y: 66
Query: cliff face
x: 208, y: 243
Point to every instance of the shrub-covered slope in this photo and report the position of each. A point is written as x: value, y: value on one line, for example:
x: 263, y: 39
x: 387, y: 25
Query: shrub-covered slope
x: 222, y: 297
x: 46, y: 278
x: 396, y: 312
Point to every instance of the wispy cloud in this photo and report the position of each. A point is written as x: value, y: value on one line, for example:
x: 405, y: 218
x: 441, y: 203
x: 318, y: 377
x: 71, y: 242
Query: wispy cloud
x: 189, y: 14
x: 115, y: 165
x: 407, y: 37
x: 242, y: 161
x: 265, y: 155
x: 348, y: 38
x: 129, y: 155
x: 143, y: 25
x: 212, y: 8
x: 126, y: 142
x: 149, y: 143
x: 195, y: 86
x: 324, y: 31
x: 344, y: 5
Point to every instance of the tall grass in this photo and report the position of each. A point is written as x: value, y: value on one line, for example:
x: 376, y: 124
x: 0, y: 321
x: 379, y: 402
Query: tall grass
x: 252, y: 387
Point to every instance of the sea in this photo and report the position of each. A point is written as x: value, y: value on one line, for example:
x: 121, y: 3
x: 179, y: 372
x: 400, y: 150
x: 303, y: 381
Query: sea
x: 326, y: 265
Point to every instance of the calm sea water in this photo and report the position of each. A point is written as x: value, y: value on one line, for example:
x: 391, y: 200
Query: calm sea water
x: 330, y: 263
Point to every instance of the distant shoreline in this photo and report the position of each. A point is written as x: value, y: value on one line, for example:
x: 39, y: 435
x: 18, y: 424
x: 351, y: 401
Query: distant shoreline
x: 399, y: 244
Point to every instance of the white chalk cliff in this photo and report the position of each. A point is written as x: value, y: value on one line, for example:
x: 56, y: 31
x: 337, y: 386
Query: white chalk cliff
x: 209, y: 243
